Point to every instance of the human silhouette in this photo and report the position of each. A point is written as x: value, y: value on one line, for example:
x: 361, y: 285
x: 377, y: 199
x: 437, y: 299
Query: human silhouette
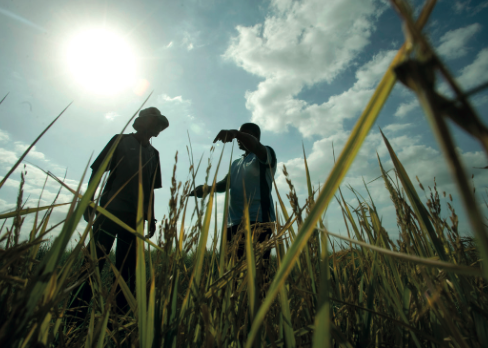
x: 120, y: 197
x: 251, y: 178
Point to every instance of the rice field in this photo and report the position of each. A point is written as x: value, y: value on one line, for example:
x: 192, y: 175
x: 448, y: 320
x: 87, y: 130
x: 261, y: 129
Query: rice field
x: 426, y: 289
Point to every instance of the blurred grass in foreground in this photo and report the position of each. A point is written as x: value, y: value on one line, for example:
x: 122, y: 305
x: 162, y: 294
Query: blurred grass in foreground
x: 428, y: 288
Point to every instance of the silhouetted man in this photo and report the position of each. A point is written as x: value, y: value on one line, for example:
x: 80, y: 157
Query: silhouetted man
x: 120, y: 197
x: 251, y: 178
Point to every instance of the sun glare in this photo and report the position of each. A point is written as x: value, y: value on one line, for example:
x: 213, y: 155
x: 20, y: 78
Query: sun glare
x: 101, y: 61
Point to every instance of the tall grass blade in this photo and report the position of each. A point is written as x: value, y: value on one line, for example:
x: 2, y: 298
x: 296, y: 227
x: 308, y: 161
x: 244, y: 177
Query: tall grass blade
x: 450, y: 267
x: 418, y: 207
x: 347, y: 156
x: 140, y: 261
x: 223, y: 241
x: 27, y: 211
x: 322, y: 324
x: 31, y: 146
x: 286, y: 321
x: 251, y: 262
x: 1, y: 101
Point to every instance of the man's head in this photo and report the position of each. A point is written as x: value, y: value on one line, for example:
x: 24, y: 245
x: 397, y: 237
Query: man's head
x: 150, y: 121
x: 252, y: 129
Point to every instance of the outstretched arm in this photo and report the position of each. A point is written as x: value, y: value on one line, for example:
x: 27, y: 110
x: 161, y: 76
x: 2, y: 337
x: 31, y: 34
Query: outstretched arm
x: 250, y: 142
x: 219, y: 187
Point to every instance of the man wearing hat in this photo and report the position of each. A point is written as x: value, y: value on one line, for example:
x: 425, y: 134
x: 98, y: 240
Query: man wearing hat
x: 120, y: 197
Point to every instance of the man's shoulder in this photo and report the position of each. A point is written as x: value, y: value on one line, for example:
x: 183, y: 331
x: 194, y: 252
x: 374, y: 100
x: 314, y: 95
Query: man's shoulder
x: 153, y: 149
x: 270, y: 148
x: 272, y: 152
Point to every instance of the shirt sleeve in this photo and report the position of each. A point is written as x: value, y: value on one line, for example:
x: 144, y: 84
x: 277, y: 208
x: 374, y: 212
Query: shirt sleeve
x: 270, y: 157
x: 103, y: 154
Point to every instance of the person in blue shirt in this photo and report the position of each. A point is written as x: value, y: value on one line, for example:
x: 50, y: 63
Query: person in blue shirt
x: 251, y: 178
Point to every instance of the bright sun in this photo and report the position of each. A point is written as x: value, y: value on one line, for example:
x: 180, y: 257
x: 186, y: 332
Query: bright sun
x: 101, y: 61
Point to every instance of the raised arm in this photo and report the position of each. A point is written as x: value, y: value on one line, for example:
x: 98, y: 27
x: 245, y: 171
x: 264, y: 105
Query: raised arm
x: 250, y: 142
x: 219, y: 187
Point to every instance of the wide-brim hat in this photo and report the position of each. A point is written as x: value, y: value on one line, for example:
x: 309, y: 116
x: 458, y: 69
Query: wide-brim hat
x: 151, y: 112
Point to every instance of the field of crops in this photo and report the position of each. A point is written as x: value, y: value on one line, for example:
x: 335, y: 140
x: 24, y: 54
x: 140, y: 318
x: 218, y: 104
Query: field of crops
x: 426, y: 289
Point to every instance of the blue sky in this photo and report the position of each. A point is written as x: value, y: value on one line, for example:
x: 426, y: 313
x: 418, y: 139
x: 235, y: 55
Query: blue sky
x: 302, y: 70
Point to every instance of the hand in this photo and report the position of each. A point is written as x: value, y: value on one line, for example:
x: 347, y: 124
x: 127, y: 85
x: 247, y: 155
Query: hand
x: 226, y: 136
x: 198, y: 191
x: 88, y: 213
x: 152, y: 229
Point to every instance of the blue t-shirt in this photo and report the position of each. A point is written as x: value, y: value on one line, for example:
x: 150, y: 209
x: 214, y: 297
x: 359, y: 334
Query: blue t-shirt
x: 245, y: 173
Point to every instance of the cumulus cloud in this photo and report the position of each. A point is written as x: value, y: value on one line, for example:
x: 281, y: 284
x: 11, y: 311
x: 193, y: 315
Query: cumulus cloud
x: 396, y: 127
x: 300, y: 44
x: 476, y: 72
x: 405, y: 108
x: 4, y: 136
x: 314, y: 119
x: 466, y: 6
x: 7, y: 156
x: 35, y: 184
x: 453, y: 43
x: 418, y: 159
x: 33, y: 153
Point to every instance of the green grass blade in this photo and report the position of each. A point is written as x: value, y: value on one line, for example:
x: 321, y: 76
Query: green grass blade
x: 347, y: 156
x: 29, y: 211
x: 149, y: 335
x: 223, y: 241
x: 107, y: 214
x: 286, y: 325
x: 322, y: 336
x: 251, y: 263
x: 101, y: 338
x: 307, y: 174
x: 1, y: 101
x: 140, y: 261
x: 415, y: 202
x: 450, y: 267
x: 206, y: 226
x: 129, y: 296
x: 31, y: 146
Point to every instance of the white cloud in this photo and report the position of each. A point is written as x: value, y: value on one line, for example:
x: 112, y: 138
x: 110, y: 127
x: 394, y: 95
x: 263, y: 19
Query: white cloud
x: 395, y: 127
x: 178, y: 99
x: 21, y: 147
x: 4, y: 136
x: 313, y: 119
x: 7, y: 156
x: 475, y: 73
x: 5, y: 206
x: 300, y: 44
x: 189, y: 39
x: 453, y: 43
x: 418, y: 159
x: 461, y: 6
x: 405, y: 108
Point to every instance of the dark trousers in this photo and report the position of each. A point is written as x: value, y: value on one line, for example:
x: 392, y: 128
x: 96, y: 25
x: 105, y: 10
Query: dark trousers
x: 241, y: 251
x: 105, y: 232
